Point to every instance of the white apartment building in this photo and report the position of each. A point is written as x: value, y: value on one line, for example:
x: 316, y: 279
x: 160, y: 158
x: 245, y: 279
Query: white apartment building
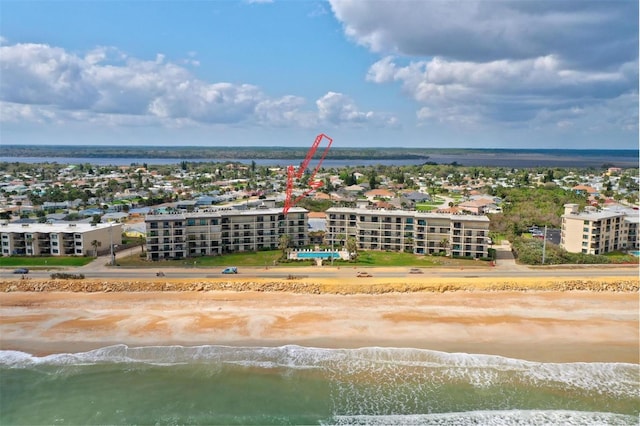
x: 410, y: 231
x: 595, y: 231
x: 58, y: 239
x: 219, y: 231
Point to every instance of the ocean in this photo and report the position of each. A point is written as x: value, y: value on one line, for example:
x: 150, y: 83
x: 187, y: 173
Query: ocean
x: 210, y: 385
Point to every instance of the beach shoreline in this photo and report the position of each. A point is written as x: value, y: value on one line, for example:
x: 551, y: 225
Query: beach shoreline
x: 589, y: 320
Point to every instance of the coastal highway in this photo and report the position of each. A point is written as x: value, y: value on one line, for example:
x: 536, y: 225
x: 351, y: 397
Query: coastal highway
x: 581, y: 272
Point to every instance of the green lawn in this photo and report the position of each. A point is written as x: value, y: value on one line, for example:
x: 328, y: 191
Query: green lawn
x: 424, y: 207
x: 43, y: 262
x: 396, y: 259
x: 255, y: 259
x: 267, y: 258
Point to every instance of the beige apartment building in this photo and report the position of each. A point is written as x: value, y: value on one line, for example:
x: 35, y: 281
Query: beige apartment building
x: 220, y: 231
x: 595, y: 231
x: 410, y: 231
x: 58, y: 239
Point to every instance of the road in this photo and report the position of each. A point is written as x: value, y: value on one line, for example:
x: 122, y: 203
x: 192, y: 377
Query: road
x: 506, y: 266
x: 249, y: 273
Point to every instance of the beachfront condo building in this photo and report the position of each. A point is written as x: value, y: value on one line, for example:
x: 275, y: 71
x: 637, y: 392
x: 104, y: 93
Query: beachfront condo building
x: 594, y: 231
x: 218, y: 231
x: 58, y: 239
x: 462, y: 235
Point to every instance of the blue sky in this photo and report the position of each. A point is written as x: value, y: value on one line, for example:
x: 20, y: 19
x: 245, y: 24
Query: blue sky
x: 435, y: 73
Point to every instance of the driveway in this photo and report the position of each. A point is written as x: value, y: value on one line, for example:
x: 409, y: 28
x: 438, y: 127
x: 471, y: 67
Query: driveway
x: 504, y: 258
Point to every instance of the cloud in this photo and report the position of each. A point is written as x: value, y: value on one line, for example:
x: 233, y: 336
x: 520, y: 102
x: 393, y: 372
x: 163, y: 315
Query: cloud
x: 42, y: 83
x: 506, y: 90
x: 585, y: 32
x: 508, y: 62
x: 336, y: 108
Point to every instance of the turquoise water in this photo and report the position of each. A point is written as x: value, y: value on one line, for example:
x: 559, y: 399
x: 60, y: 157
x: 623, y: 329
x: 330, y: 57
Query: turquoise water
x: 301, y: 385
x: 635, y: 253
x: 317, y: 255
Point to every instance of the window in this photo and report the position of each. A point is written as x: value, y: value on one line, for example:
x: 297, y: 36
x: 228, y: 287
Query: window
x: 191, y: 222
x: 203, y: 221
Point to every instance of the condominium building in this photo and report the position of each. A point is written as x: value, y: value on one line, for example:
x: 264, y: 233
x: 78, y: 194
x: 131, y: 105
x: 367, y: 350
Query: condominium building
x: 214, y: 232
x: 410, y: 231
x: 595, y: 231
x: 58, y: 239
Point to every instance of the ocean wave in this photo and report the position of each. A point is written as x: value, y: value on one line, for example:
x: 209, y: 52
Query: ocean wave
x: 493, y: 418
x: 391, y: 365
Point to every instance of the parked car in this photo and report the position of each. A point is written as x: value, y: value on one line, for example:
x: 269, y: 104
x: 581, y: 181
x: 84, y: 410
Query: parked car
x: 415, y: 271
x: 21, y: 271
x: 160, y: 274
x: 230, y: 270
x: 363, y: 275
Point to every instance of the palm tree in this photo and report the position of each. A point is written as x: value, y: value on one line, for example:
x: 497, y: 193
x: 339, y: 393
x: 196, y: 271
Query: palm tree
x: 283, y: 243
x: 352, y: 248
x: 142, y: 241
x: 444, y: 243
x: 95, y: 244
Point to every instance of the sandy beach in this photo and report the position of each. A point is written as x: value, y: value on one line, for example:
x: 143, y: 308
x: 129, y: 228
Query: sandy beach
x: 538, y: 324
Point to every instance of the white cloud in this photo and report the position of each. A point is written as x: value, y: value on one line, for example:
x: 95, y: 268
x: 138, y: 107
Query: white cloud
x: 41, y: 83
x: 593, y: 32
x: 505, y: 90
x: 500, y: 61
x: 337, y: 108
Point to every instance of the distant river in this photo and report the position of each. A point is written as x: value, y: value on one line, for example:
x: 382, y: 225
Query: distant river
x: 510, y: 159
x: 126, y: 161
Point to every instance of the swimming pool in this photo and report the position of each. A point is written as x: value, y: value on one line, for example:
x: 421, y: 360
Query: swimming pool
x: 317, y: 255
x: 635, y: 253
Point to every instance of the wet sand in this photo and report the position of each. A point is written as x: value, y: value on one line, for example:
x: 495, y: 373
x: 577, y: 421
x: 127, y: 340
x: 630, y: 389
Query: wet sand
x: 540, y: 325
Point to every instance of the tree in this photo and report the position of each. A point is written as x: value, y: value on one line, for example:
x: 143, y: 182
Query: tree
x: 444, y: 243
x: 95, y: 244
x: 373, y: 183
x: 283, y: 243
x: 352, y: 248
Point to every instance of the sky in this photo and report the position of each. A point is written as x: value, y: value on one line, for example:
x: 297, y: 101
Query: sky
x: 380, y: 73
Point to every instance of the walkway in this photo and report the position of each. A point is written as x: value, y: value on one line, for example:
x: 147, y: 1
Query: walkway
x: 505, y: 260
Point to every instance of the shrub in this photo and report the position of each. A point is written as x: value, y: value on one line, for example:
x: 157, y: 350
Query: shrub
x: 67, y: 276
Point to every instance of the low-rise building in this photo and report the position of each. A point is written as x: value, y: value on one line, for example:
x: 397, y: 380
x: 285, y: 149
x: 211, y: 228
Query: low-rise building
x: 410, y: 231
x: 58, y: 239
x: 595, y: 231
x: 219, y: 231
